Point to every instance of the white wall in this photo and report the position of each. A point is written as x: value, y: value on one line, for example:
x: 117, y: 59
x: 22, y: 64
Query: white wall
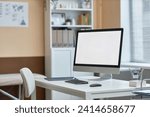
x: 126, y: 25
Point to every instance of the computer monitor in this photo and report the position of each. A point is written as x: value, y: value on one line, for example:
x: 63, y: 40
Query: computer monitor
x: 98, y: 50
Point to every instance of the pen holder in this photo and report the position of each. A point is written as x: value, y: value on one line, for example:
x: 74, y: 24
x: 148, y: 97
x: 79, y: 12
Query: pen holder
x: 137, y: 83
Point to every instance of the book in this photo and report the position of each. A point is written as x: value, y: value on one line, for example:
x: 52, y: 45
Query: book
x: 70, y: 38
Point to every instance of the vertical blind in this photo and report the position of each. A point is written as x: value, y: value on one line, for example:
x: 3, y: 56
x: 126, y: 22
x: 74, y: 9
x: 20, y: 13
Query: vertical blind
x: 140, y: 30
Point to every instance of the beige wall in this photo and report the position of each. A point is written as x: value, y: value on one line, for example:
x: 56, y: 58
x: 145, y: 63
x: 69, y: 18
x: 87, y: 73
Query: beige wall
x: 97, y: 13
x: 111, y: 13
x: 106, y: 13
x: 25, y: 42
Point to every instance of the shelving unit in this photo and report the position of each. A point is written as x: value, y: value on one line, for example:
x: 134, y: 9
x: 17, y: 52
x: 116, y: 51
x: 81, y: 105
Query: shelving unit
x: 60, y: 37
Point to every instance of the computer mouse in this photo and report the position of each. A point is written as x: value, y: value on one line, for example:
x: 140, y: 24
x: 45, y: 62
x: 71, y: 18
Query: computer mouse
x: 95, y: 85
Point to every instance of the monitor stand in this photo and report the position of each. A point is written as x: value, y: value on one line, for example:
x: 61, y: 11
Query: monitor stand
x: 97, y: 81
x: 102, y: 76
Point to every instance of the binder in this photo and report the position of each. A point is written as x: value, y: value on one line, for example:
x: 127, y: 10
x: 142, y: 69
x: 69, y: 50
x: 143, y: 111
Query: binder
x: 59, y: 38
x: 70, y: 37
x: 65, y: 38
x: 54, y: 38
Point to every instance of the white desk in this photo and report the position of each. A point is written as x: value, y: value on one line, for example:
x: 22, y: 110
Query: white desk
x: 110, y: 88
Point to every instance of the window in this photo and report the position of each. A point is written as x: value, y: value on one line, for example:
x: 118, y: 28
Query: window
x: 136, y: 20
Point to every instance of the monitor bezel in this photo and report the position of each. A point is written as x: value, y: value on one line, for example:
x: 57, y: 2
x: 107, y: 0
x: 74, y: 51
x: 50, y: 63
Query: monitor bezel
x: 100, y: 65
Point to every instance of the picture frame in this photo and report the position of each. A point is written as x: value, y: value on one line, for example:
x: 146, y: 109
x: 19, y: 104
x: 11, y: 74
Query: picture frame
x: 58, y: 18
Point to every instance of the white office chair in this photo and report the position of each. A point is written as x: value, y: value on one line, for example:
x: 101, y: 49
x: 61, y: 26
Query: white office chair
x: 26, y: 79
x: 28, y: 82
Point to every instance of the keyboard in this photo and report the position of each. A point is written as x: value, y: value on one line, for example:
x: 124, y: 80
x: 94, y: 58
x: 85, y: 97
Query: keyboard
x: 76, y: 81
x: 58, y: 78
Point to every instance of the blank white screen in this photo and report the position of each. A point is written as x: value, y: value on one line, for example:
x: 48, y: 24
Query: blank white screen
x: 98, y: 48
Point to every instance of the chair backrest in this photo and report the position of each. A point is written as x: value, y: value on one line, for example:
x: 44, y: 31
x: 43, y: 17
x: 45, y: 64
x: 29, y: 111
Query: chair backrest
x: 28, y: 81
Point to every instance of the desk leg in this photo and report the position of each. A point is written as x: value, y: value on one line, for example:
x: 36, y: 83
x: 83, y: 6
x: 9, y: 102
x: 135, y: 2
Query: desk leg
x: 33, y: 95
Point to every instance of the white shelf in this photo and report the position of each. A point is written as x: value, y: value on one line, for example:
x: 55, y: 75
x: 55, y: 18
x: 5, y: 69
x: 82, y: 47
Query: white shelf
x: 72, y: 26
x: 63, y: 48
x: 70, y: 9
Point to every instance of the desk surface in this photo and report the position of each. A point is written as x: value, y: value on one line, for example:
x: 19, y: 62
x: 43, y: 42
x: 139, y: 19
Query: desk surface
x: 109, y: 88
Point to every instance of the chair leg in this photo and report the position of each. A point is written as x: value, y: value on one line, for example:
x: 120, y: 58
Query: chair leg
x: 20, y: 91
x: 7, y: 94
